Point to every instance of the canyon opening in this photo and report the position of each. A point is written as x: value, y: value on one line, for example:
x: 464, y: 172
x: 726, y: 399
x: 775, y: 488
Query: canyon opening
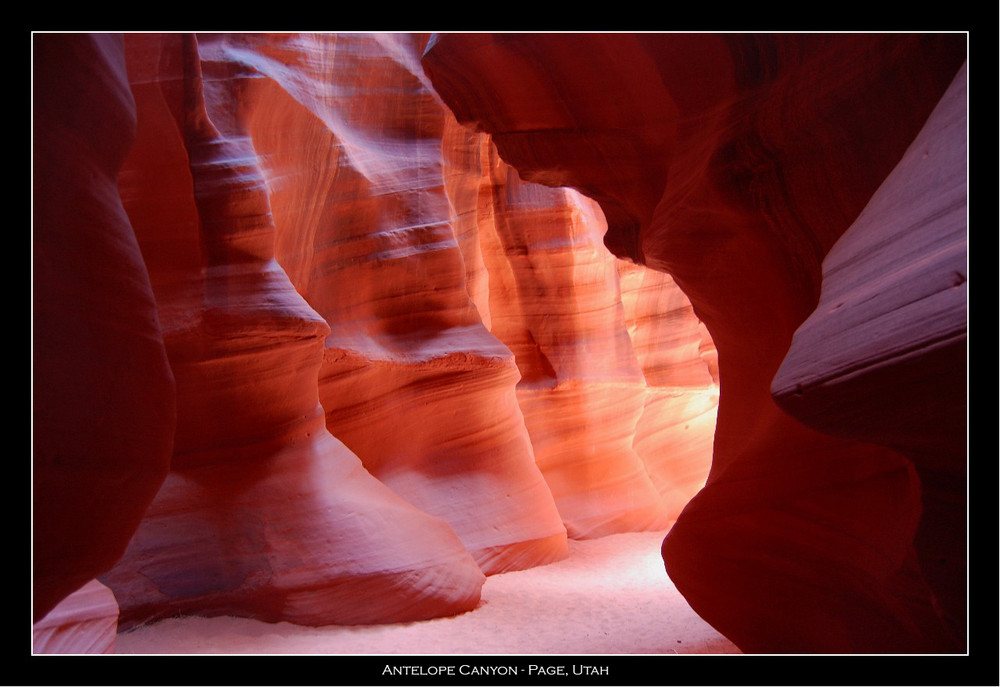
x: 334, y: 329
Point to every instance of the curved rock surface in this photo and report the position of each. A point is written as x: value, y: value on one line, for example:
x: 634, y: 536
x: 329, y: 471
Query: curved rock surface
x: 545, y: 285
x: 554, y: 300
x: 85, y: 622
x: 734, y: 163
x: 264, y: 513
x: 676, y: 431
x: 103, y: 392
x: 380, y: 362
x: 411, y: 380
x: 883, y: 356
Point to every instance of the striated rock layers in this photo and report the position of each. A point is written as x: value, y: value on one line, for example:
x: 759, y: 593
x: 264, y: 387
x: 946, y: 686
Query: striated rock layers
x: 735, y: 163
x: 264, y: 513
x: 378, y: 363
x: 85, y: 622
x: 554, y: 299
x: 307, y: 270
x: 410, y: 379
x: 675, y: 433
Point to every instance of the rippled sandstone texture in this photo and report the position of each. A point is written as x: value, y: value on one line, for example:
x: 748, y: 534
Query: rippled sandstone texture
x: 411, y: 380
x: 597, y: 424
x: 264, y: 513
x: 335, y: 260
x: 734, y: 163
x: 291, y: 217
x: 85, y: 622
x: 554, y: 300
x: 675, y: 433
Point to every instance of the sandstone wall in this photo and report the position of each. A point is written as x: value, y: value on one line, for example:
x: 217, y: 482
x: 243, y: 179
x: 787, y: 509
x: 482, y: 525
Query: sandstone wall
x: 264, y: 514
x: 356, y: 301
x: 734, y: 163
x: 324, y: 331
x: 102, y: 388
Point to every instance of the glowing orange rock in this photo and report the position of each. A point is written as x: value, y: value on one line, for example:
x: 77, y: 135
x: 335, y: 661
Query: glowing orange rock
x: 674, y: 435
x: 554, y: 300
x: 350, y: 136
x: 734, y: 162
x: 330, y: 251
x: 264, y: 513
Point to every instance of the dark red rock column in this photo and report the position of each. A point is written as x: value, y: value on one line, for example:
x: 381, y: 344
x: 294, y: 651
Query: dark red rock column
x: 103, y: 392
x: 882, y: 358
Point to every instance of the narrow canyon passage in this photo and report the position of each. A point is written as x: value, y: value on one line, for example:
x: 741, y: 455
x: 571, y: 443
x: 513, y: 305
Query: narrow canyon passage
x: 391, y: 343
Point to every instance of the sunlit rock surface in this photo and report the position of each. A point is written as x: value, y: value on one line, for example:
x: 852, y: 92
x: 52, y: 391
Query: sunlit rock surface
x: 85, y: 622
x: 545, y: 285
x: 675, y: 432
x: 554, y: 300
x: 264, y: 513
x: 350, y: 139
x: 102, y: 390
x: 734, y: 163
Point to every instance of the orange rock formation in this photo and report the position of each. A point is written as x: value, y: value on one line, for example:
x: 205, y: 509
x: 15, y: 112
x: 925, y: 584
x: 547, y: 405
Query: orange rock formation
x: 264, y: 513
x: 325, y: 332
x: 734, y: 163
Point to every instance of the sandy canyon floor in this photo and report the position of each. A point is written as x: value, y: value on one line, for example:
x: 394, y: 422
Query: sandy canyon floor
x: 610, y: 596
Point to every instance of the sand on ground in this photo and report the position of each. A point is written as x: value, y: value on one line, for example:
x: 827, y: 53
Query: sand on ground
x: 610, y: 596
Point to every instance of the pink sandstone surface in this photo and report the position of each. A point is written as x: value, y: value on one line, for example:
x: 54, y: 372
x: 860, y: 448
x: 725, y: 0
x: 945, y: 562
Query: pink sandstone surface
x: 85, y: 622
x: 734, y: 163
x: 676, y: 430
x: 545, y: 286
x: 264, y: 513
x: 554, y: 300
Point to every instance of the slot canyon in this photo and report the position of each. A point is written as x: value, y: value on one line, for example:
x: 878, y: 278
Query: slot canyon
x: 328, y: 329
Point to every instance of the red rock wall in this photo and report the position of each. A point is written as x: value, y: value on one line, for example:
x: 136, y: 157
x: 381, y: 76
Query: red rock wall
x: 734, y: 163
x: 620, y: 452
x: 882, y: 358
x: 676, y: 431
x: 554, y: 300
x: 381, y: 362
x: 302, y: 204
x: 411, y: 380
x: 264, y: 513
x: 102, y: 389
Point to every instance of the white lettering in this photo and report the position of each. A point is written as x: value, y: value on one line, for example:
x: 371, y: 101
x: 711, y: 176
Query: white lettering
x: 418, y: 670
x: 487, y: 670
